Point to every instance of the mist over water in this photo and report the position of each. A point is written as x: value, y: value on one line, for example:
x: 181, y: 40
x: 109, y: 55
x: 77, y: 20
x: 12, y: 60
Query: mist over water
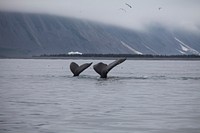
x: 42, y: 96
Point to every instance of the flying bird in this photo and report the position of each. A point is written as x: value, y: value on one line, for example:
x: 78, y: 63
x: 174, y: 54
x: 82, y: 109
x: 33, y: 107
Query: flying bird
x: 103, y: 69
x: 159, y: 8
x: 122, y: 9
x: 128, y: 5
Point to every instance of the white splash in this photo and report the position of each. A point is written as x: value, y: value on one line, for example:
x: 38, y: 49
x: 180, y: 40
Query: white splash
x: 130, y: 48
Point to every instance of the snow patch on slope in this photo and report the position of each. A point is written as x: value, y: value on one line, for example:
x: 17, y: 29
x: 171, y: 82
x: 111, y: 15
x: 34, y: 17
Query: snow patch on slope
x: 130, y: 48
x: 186, y: 48
x: 181, y: 51
x: 151, y: 50
x: 32, y: 31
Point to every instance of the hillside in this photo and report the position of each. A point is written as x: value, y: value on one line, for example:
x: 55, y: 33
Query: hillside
x: 25, y: 35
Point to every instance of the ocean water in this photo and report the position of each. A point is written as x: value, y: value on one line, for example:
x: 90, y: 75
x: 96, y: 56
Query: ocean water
x: 42, y: 96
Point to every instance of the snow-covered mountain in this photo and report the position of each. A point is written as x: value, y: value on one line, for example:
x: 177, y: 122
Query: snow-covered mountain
x: 23, y: 35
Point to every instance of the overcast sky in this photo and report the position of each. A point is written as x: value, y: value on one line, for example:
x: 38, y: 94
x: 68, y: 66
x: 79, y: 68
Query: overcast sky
x: 173, y: 13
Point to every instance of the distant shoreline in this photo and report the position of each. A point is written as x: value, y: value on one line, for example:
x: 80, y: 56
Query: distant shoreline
x: 114, y: 56
x: 105, y: 58
x: 111, y: 57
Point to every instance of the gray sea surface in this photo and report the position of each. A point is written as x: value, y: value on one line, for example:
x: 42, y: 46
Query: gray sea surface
x: 42, y: 96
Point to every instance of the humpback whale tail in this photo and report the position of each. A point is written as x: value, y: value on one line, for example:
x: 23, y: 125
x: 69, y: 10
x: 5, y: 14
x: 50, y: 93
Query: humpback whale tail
x: 103, y: 69
x: 76, y: 69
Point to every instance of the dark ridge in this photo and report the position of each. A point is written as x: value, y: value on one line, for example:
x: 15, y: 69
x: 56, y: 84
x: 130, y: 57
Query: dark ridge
x: 121, y: 55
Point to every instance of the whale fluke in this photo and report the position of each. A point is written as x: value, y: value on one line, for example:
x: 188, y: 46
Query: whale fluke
x: 103, y: 69
x: 76, y: 69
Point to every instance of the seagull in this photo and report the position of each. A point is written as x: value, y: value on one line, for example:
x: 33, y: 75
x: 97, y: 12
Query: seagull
x: 122, y: 9
x: 159, y: 8
x: 128, y: 5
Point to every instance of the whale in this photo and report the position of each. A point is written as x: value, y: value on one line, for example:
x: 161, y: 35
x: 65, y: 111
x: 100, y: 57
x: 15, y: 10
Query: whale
x: 76, y: 69
x: 102, y: 69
